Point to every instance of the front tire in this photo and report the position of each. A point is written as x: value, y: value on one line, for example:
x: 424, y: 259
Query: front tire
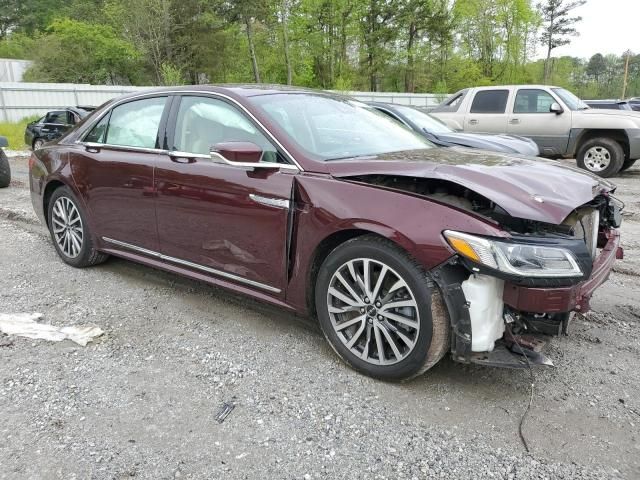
x: 70, y: 231
x: 602, y: 156
x: 5, y: 170
x: 379, y: 311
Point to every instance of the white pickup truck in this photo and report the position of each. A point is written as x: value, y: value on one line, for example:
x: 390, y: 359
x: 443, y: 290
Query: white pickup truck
x: 602, y: 141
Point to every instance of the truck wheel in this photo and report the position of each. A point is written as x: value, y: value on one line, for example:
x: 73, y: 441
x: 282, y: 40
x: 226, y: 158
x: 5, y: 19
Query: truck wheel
x: 379, y: 311
x: 5, y: 171
x: 627, y: 164
x: 38, y: 143
x: 602, y: 156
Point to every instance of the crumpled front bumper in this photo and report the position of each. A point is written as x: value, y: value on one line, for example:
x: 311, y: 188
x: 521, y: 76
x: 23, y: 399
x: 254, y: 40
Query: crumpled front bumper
x: 567, y: 299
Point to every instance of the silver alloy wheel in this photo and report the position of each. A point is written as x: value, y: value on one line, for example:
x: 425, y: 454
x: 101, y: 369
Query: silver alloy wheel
x: 373, y: 311
x: 67, y: 227
x: 38, y: 144
x: 597, y: 158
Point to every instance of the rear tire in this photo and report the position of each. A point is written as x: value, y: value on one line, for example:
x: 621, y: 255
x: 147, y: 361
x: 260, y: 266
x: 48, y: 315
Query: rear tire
x: 361, y: 330
x: 601, y: 156
x: 627, y: 164
x: 70, y: 231
x: 5, y: 170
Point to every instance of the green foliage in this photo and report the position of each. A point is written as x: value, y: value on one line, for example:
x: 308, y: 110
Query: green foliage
x: 171, y: 75
x: 437, y: 46
x: 18, y: 45
x: 79, y: 52
x: 14, y: 131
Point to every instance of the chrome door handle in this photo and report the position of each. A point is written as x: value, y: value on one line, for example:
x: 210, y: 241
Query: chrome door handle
x: 473, y: 121
x: 514, y: 121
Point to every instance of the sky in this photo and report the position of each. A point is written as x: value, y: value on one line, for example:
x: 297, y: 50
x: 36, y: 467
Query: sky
x: 607, y: 26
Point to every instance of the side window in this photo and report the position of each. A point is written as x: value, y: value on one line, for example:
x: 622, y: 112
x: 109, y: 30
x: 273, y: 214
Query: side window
x: 203, y: 121
x: 135, y: 124
x: 56, y: 117
x: 97, y: 133
x: 532, y: 101
x: 490, y: 101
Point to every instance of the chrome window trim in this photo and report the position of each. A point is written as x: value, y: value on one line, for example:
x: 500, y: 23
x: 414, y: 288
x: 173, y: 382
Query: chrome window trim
x: 270, y: 201
x: 90, y: 126
x: 196, y: 266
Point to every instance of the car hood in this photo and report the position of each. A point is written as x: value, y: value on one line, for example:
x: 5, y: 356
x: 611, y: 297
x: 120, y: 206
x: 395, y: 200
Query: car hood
x: 498, y: 143
x: 541, y: 190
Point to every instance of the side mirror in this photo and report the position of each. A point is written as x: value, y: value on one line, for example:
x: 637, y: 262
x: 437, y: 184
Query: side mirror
x: 4, y: 142
x: 237, y: 152
x: 556, y: 108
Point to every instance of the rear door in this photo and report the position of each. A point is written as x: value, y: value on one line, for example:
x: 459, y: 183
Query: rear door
x: 531, y: 117
x: 488, y: 112
x: 113, y: 168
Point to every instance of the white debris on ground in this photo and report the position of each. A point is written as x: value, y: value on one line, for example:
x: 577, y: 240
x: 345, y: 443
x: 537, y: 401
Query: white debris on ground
x: 27, y: 325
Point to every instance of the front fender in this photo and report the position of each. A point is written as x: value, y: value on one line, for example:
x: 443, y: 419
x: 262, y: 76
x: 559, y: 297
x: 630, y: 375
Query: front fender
x: 325, y: 206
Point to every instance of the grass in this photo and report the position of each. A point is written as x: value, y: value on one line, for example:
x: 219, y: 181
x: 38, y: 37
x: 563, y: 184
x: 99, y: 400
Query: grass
x: 14, y: 131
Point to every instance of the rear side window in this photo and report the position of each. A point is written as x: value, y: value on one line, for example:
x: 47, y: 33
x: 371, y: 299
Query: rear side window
x: 97, y: 133
x: 133, y: 124
x: 490, y: 101
x: 532, y: 101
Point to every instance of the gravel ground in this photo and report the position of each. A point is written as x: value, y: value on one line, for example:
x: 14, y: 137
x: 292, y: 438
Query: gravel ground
x: 141, y: 401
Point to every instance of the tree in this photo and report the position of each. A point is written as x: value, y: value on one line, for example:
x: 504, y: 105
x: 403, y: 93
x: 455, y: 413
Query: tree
x: 79, y: 52
x: 557, y: 26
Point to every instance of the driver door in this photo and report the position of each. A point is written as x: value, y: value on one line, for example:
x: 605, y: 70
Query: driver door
x: 225, y: 221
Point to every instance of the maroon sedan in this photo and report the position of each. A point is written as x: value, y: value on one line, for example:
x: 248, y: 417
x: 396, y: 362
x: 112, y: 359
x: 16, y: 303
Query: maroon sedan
x: 321, y: 205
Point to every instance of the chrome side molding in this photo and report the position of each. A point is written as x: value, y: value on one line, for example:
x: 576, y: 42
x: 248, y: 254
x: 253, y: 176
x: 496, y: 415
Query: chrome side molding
x: 272, y: 202
x: 196, y: 266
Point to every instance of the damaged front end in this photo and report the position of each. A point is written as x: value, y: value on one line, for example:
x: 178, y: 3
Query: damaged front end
x: 507, y: 295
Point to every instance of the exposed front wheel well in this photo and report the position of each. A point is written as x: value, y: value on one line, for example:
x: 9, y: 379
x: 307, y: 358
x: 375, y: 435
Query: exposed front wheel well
x: 322, y: 251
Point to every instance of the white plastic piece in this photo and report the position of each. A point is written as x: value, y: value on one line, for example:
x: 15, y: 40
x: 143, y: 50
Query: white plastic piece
x: 27, y: 325
x: 484, y: 294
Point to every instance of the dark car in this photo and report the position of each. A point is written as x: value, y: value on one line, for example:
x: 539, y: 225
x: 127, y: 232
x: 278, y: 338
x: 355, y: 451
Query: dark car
x: 53, y: 125
x: 323, y: 206
x: 5, y: 170
x: 609, y: 104
x: 439, y: 133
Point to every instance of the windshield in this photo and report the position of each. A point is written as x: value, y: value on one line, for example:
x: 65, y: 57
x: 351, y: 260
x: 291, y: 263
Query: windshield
x: 423, y: 120
x: 331, y: 128
x: 570, y: 100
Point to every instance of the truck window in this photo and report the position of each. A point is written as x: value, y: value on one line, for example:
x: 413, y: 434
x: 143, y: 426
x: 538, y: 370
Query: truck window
x: 532, y: 101
x: 490, y: 101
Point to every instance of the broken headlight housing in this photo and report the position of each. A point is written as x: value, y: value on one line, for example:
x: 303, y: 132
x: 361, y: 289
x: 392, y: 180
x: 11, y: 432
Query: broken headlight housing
x: 518, y: 258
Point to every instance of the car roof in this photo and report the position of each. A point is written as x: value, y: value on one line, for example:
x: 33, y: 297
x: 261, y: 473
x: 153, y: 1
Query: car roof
x: 235, y: 89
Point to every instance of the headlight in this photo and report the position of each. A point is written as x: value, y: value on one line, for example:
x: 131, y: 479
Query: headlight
x: 525, y: 260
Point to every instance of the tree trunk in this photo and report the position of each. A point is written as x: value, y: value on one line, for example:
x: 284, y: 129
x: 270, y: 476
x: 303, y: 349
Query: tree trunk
x: 285, y: 38
x: 547, y: 66
x: 409, y: 73
x: 252, y: 49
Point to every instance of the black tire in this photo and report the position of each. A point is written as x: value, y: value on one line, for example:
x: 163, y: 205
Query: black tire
x: 5, y: 170
x: 432, y: 339
x: 611, y: 149
x: 87, y: 254
x: 627, y: 164
x: 38, y: 143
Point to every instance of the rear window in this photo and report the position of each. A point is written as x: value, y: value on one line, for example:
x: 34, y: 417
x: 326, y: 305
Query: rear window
x: 490, y: 101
